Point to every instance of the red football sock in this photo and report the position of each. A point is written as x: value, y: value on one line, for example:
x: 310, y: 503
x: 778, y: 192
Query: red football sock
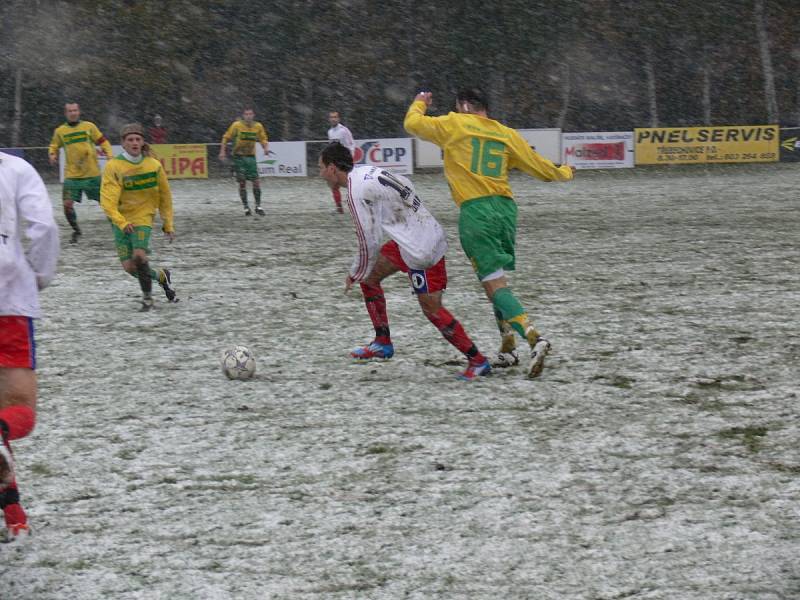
x: 454, y: 333
x: 19, y: 421
x: 14, y: 515
x: 376, y: 307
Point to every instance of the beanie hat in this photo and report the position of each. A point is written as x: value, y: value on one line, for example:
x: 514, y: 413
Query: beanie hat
x: 131, y: 128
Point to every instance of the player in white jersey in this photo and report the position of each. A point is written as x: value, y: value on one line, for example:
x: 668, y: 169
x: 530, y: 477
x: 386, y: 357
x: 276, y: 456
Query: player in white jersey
x: 339, y: 133
x: 383, y: 204
x: 28, y: 255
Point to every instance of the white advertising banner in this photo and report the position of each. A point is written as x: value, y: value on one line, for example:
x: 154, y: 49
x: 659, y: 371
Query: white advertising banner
x: 427, y: 154
x: 546, y: 142
x: 598, y: 150
x: 285, y: 159
x: 392, y: 154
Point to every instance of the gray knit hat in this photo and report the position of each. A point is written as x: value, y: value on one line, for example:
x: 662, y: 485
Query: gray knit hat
x: 131, y: 128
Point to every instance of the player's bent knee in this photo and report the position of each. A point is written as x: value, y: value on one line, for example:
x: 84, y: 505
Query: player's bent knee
x: 430, y: 303
x: 18, y: 387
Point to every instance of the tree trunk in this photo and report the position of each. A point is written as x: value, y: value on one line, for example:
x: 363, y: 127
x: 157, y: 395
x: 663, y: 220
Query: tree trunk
x: 650, y: 73
x: 566, y: 94
x: 308, y: 108
x: 16, y: 124
x: 797, y: 97
x: 766, y: 63
x: 706, y: 91
x: 286, y: 121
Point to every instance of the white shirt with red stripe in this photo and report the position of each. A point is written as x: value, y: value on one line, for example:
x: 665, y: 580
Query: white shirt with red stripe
x: 25, y: 212
x: 383, y: 204
x: 342, y: 134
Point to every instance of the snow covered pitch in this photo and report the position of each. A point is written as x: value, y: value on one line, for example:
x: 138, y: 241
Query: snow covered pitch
x: 656, y: 458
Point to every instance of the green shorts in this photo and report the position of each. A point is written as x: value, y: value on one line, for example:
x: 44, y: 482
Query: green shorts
x: 127, y: 242
x: 488, y: 229
x: 74, y: 187
x: 244, y: 167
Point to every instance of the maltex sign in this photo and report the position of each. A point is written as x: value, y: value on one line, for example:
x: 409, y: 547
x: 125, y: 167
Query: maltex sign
x: 694, y: 145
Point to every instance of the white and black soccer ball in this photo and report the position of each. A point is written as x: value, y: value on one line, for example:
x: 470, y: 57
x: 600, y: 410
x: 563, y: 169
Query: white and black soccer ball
x: 238, y: 362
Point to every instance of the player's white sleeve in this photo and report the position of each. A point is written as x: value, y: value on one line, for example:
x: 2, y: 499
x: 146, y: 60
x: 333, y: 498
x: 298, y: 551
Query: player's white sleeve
x: 348, y: 141
x: 366, y: 214
x: 35, y: 209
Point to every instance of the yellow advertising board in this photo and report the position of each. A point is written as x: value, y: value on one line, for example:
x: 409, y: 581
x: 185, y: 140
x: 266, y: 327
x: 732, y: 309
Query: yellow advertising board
x: 182, y: 161
x: 695, y: 145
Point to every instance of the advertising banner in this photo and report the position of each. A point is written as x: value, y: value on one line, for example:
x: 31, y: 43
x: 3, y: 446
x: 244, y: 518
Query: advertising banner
x: 180, y: 161
x: 790, y: 144
x: 546, y: 142
x: 698, y: 145
x: 285, y: 159
x: 598, y: 150
x: 391, y: 154
x: 427, y: 154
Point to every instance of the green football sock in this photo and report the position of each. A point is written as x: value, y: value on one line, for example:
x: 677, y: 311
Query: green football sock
x: 506, y: 304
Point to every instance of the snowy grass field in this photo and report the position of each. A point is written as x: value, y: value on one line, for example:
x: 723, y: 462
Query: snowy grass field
x: 658, y: 457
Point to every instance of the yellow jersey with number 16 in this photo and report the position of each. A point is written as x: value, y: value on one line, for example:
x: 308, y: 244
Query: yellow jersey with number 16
x: 479, y: 152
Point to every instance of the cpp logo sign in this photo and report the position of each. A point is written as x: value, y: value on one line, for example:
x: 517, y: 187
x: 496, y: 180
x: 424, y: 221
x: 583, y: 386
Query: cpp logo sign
x: 380, y: 153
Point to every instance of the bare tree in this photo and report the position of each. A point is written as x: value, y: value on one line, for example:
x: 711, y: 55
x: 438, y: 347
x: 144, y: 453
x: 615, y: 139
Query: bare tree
x: 706, y: 85
x: 650, y: 74
x: 566, y: 94
x: 766, y: 62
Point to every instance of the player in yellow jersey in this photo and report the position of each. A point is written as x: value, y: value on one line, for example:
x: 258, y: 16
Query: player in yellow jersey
x: 82, y: 173
x: 243, y: 135
x: 134, y: 187
x: 479, y: 152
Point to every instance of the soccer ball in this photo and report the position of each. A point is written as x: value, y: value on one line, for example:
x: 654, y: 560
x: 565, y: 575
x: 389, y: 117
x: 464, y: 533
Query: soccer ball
x: 238, y: 362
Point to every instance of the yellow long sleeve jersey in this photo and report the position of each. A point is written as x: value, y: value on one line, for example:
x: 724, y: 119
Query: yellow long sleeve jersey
x: 79, y: 141
x: 132, y: 192
x: 479, y: 152
x: 244, y: 137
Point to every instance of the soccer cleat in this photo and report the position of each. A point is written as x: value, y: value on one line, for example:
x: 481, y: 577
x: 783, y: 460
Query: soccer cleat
x: 339, y: 209
x: 147, y: 304
x: 474, y: 371
x: 374, y: 350
x: 6, y: 467
x: 165, y: 281
x: 538, y: 351
x: 75, y: 235
x: 260, y: 211
x: 505, y: 359
x: 248, y: 212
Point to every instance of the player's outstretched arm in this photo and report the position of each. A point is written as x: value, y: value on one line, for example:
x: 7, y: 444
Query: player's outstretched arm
x: 524, y: 158
x: 419, y: 124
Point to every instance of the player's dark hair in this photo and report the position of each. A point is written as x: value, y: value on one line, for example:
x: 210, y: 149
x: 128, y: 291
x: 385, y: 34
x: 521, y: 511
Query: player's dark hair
x: 475, y: 96
x: 337, y: 155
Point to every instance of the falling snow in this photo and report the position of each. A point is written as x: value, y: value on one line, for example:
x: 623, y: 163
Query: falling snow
x: 656, y: 458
